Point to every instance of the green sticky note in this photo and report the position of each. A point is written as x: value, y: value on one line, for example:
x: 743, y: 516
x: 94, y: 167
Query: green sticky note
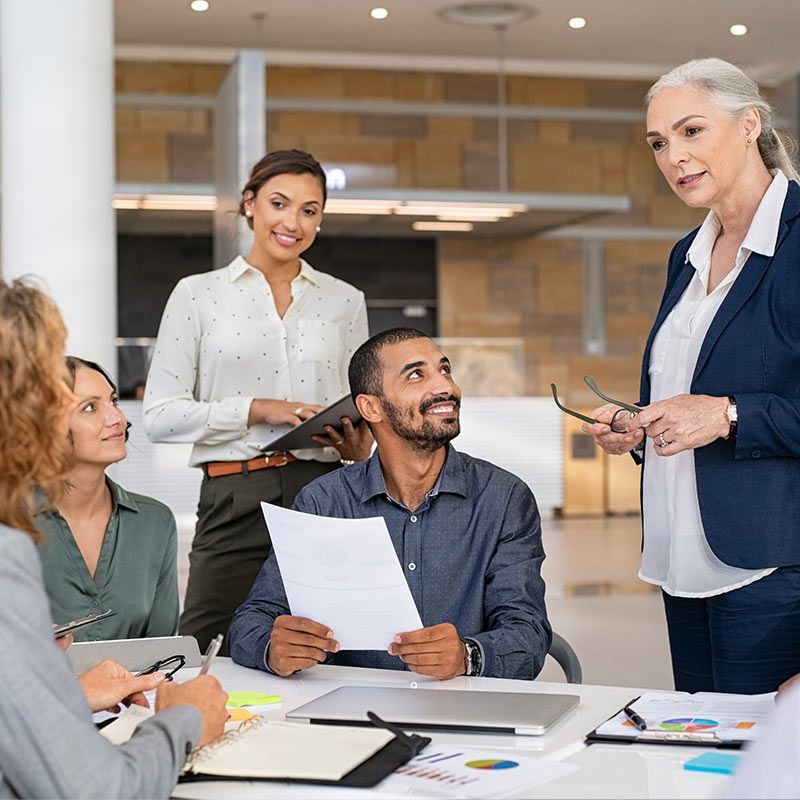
x: 237, y: 699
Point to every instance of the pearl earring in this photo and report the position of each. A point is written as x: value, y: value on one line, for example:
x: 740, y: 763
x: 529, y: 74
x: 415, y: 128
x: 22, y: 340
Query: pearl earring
x: 248, y: 213
x: 318, y: 228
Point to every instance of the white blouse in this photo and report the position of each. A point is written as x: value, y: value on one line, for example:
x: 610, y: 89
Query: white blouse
x: 221, y: 343
x: 676, y: 555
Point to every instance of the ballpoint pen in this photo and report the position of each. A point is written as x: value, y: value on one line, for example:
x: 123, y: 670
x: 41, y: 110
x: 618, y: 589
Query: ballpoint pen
x: 211, y: 652
x: 638, y: 722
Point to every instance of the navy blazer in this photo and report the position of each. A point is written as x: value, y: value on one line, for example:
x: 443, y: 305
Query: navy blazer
x: 749, y: 486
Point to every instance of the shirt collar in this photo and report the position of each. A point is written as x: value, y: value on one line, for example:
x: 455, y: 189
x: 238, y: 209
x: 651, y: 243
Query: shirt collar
x: 120, y: 497
x: 451, y: 479
x: 239, y: 267
x: 762, y: 235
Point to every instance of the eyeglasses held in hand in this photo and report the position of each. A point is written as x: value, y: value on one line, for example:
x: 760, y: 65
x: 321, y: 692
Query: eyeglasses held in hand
x: 171, y: 664
x: 631, y: 409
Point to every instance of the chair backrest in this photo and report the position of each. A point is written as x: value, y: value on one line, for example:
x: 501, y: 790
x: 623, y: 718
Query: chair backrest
x: 561, y: 650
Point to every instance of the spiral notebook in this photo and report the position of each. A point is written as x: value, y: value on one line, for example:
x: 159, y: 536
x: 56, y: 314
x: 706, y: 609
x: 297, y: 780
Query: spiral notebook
x: 289, y: 751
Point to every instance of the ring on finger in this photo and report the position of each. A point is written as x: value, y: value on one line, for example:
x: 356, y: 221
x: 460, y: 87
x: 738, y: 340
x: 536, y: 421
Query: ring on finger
x: 661, y: 440
x: 298, y: 411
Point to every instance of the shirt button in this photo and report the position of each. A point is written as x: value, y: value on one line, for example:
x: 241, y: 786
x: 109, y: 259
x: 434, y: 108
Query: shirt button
x: 94, y: 603
x: 756, y: 454
x: 413, y: 518
x: 412, y: 566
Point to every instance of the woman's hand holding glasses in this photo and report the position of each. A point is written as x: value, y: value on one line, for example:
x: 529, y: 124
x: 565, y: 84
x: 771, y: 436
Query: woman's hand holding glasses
x: 609, y: 431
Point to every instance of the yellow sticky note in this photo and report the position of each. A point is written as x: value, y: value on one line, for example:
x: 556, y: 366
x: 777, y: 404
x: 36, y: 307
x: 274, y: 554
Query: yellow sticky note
x: 240, y: 714
x: 236, y: 699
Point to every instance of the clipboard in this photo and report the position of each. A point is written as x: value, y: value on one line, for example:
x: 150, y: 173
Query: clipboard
x: 299, y: 437
x: 698, y: 739
x: 396, y: 752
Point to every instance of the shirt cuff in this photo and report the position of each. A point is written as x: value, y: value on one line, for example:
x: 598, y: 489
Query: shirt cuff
x: 230, y: 414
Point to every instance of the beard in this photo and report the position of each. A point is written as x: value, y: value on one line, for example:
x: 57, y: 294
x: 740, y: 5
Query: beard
x: 430, y: 434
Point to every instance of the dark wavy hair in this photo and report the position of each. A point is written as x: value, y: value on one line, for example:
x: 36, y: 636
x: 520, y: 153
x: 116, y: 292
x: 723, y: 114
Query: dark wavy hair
x: 74, y: 364
x: 365, y: 373
x: 282, y: 162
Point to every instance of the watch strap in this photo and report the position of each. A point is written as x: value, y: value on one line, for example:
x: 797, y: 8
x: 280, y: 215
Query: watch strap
x: 733, y: 417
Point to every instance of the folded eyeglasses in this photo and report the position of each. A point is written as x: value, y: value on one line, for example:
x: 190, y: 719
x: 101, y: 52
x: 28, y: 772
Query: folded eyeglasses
x: 171, y: 665
x: 631, y: 409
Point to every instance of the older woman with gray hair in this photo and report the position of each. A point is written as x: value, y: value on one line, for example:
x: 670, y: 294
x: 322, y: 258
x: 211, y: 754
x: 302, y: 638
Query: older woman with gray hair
x: 719, y: 429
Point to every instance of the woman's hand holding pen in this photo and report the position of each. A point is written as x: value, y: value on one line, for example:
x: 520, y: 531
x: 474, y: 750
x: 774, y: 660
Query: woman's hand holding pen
x: 613, y: 443
x: 280, y: 412
x: 354, y: 442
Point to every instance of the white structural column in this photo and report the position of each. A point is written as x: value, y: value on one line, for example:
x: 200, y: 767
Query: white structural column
x: 57, y: 170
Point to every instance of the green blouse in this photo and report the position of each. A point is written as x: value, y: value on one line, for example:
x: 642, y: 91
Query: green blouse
x: 136, y: 573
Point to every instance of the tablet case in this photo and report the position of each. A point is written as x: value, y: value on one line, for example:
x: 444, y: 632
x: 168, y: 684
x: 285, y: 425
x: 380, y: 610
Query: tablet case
x: 299, y: 438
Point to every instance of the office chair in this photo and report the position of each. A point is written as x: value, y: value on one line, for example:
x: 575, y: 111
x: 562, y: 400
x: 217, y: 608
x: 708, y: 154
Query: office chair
x: 561, y: 650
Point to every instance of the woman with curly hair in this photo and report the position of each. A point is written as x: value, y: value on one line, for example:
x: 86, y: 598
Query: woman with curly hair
x: 57, y: 751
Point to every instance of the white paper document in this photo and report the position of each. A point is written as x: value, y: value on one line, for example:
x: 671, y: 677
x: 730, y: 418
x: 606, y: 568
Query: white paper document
x: 728, y: 717
x: 343, y: 573
x: 471, y: 772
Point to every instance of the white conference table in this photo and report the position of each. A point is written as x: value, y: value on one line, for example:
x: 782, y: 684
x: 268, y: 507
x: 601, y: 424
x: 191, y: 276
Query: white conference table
x: 606, y: 771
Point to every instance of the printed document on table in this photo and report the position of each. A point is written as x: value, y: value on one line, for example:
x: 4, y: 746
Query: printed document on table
x: 473, y: 773
x: 343, y: 573
x: 729, y: 717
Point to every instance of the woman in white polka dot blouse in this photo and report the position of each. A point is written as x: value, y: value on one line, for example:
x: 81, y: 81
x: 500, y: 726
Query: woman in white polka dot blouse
x: 243, y: 354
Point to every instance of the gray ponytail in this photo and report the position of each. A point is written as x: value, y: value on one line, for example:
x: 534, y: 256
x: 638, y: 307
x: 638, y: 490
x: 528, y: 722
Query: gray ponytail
x: 734, y: 91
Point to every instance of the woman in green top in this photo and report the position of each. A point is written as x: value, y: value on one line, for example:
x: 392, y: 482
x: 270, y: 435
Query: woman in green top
x: 104, y: 547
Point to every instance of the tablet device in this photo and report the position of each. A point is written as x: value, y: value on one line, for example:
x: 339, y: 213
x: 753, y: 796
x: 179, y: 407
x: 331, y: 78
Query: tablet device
x: 520, y: 713
x: 299, y: 438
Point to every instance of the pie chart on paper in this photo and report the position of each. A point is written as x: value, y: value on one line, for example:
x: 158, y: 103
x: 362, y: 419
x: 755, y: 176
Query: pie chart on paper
x: 688, y: 724
x: 491, y: 763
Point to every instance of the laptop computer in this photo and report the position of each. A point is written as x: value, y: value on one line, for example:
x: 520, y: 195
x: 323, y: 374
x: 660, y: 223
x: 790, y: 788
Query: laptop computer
x: 520, y: 713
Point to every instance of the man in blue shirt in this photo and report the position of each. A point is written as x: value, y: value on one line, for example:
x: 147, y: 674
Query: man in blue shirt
x: 467, y: 534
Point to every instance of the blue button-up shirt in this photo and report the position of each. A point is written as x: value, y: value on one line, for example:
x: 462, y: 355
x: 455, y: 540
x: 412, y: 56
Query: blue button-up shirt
x: 471, y: 553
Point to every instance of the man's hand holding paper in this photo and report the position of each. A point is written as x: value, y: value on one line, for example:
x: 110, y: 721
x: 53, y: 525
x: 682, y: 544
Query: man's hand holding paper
x: 298, y: 643
x: 344, y: 585
x: 438, y: 651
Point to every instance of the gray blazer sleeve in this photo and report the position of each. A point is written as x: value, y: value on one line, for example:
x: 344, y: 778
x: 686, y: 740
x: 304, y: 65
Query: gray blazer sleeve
x: 49, y: 746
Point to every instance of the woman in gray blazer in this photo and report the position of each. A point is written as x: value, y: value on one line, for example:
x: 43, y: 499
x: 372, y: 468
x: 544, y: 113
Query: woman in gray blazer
x: 49, y: 746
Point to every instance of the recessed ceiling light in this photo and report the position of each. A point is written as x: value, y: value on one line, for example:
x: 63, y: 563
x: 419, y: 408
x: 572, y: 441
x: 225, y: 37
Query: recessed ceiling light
x: 199, y: 5
x: 738, y: 30
x: 577, y: 22
x: 379, y: 13
x: 488, y: 14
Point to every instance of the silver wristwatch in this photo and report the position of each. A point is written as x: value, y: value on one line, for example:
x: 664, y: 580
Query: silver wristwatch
x: 473, y: 661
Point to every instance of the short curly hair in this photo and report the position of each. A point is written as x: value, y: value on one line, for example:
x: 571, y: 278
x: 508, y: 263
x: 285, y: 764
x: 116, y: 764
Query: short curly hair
x: 35, y: 454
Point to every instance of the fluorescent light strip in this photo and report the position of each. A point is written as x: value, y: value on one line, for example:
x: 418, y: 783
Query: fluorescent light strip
x: 465, y: 218
x: 453, y: 211
x: 442, y: 226
x: 443, y: 211
x: 164, y: 202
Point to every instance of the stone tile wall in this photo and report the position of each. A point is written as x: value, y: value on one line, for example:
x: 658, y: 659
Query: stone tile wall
x: 526, y: 287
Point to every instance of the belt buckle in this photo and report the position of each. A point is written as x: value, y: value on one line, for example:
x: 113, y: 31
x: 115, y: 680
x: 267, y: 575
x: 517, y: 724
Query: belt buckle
x: 283, y: 462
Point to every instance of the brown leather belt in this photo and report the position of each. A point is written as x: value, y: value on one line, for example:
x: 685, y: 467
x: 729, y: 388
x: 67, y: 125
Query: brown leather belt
x: 216, y: 469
